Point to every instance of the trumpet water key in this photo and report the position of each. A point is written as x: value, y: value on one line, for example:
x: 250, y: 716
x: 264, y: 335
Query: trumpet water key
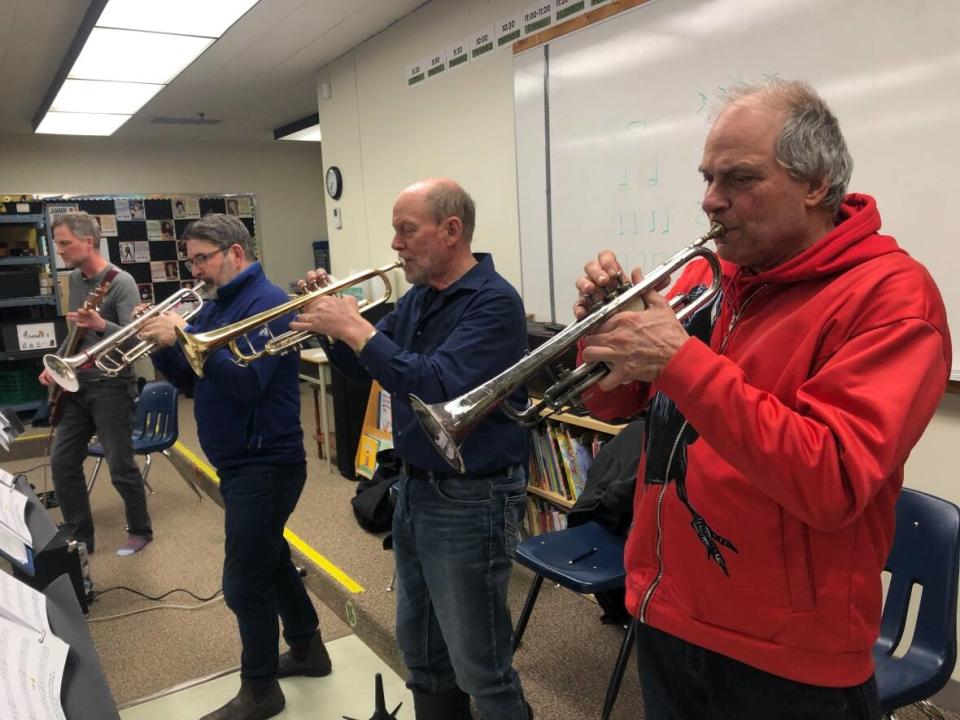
x: 108, y: 354
x: 197, y: 347
x: 448, y: 423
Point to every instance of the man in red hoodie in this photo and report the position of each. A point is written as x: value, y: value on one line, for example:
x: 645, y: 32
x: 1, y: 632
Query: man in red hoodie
x: 779, y: 423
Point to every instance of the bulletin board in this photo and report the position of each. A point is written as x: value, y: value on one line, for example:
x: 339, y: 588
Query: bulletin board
x: 142, y: 233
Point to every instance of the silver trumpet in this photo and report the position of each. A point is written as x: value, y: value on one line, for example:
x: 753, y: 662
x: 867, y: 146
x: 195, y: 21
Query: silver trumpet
x: 108, y: 354
x: 448, y: 423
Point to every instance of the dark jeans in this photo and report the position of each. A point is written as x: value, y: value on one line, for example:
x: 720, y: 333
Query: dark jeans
x: 260, y: 581
x: 681, y: 681
x: 105, y: 407
x: 454, y: 540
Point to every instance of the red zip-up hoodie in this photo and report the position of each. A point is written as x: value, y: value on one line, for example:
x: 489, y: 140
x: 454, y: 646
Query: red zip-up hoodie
x: 821, y: 375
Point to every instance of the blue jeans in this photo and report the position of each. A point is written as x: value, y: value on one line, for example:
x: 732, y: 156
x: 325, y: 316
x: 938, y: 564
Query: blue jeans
x: 682, y: 681
x: 260, y: 581
x: 454, y: 538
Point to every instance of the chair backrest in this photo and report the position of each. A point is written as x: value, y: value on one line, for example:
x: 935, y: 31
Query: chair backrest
x: 156, y: 420
x: 926, y: 552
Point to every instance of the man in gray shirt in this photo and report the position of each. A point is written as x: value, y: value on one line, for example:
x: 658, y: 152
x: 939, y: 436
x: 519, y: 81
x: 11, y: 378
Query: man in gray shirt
x: 102, y: 405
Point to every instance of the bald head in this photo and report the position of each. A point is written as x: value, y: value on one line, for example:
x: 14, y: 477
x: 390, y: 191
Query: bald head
x: 444, y: 198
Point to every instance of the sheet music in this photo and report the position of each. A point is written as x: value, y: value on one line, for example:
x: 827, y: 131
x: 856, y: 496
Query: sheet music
x: 6, y: 478
x: 12, y: 546
x: 31, y: 673
x: 13, y: 514
x: 21, y: 603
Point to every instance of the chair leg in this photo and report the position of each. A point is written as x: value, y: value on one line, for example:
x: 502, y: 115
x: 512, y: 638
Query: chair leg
x: 93, y: 477
x: 146, y: 471
x: 527, y: 609
x: 618, y: 669
x: 187, y: 480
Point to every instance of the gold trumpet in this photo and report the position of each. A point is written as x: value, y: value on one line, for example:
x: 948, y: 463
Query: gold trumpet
x: 108, y: 354
x: 197, y: 347
x: 448, y: 423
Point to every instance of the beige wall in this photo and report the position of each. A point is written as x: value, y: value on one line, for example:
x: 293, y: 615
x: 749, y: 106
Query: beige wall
x: 286, y: 177
x: 384, y: 136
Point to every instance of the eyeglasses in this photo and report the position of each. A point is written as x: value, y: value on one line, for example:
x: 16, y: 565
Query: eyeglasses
x: 200, y: 259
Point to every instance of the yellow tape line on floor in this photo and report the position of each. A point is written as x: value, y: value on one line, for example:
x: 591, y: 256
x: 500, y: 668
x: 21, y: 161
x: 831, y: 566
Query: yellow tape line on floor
x: 319, y: 560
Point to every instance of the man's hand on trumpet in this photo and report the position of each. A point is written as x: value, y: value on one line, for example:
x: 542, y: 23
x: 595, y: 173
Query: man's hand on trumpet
x: 332, y: 316
x: 636, y: 345
x: 161, y: 329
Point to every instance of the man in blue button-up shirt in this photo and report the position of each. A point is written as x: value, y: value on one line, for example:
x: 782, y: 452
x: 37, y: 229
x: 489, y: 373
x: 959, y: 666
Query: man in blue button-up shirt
x: 454, y: 535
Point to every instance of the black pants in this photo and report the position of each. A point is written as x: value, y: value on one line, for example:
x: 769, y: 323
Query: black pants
x: 681, y: 681
x: 103, y: 406
x: 260, y: 582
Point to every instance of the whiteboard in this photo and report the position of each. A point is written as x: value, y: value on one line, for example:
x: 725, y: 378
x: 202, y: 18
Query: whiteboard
x: 611, y: 121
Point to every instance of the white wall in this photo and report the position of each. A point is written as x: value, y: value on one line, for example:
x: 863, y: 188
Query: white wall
x: 286, y: 177
x: 384, y: 136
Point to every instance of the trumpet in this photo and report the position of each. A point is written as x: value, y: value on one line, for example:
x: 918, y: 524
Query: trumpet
x: 197, y: 347
x: 108, y: 354
x: 448, y: 423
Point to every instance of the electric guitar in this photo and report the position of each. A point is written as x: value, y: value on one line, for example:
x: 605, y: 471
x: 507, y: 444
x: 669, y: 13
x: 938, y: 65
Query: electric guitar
x: 74, y: 336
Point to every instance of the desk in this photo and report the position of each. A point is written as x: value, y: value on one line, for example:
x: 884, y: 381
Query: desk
x: 315, y: 369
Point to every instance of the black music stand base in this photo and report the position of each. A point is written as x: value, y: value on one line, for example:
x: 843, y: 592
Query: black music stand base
x: 381, y: 712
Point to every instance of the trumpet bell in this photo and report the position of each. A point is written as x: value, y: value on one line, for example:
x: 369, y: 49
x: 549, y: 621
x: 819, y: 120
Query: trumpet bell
x: 61, y: 372
x: 441, y: 427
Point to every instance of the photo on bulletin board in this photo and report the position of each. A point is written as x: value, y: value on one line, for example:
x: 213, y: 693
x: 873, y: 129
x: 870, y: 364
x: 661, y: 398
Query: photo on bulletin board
x: 137, y: 211
x: 154, y: 231
x: 167, y: 230
x: 146, y: 292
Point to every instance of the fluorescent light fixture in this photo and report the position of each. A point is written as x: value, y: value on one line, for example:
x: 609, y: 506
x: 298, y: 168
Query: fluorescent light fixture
x: 134, y: 56
x: 97, y: 96
x: 124, y: 54
x: 307, y: 129
x: 73, y: 123
x: 207, y: 18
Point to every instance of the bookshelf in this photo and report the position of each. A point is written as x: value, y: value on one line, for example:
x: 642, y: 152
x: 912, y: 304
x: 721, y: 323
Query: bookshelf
x: 562, y: 448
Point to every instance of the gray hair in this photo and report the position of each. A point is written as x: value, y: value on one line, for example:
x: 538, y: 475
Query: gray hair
x: 447, y: 199
x: 810, y: 146
x: 223, y: 231
x: 81, y: 224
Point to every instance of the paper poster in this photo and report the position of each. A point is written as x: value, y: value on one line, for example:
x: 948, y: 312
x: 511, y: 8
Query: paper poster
x: 482, y: 43
x: 417, y: 73
x: 167, y: 230
x: 508, y: 31
x: 36, y: 336
x: 185, y: 208
x: 121, y: 208
x: 164, y: 270
x: 563, y: 9
x: 136, y: 210
x: 537, y: 17
x: 239, y: 206
x: 458, y: 55
x: 137, y: 251
x: 146, y: 292
x: 153, y: 230
x: 108, y: 225
x: 436, y: 64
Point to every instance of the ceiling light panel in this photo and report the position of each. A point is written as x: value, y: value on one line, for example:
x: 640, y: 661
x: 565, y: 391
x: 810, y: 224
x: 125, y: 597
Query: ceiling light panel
x: 310, y: 134
x: 133, y: 56
x: 98, y: 96
x: 60, y: 123
x: 209, y: 18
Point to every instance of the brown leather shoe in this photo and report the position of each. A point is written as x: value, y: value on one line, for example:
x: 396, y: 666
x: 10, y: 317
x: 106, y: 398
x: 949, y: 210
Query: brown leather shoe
x: 244, y: 707
x: 316, y: 662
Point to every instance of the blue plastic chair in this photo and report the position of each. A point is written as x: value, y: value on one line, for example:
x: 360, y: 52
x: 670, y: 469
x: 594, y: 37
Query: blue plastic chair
x: 926, y: 552
x: 155, y: 429
x: 586, y: 559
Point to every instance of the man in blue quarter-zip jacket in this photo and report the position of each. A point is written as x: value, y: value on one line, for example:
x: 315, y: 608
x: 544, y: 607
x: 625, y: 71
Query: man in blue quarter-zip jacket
x: 454, y: 535
x: 248, y: 422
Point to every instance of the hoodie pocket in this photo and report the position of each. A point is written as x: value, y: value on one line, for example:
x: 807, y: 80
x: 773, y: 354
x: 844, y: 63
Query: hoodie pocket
x: 798, y: 564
